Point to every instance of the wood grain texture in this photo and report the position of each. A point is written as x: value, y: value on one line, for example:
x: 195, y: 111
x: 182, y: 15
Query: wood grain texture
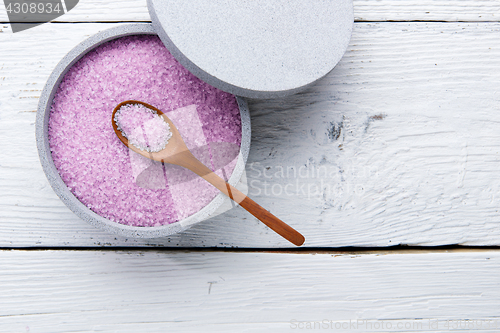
x: 364, y: 10
x: 398, y: 145
x: 427, y: 10
x: 101, y: 291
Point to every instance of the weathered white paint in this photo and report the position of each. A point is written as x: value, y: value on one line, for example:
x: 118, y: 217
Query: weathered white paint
x: 108, y: 291
x: 364, y: 10
x: 415, y: 162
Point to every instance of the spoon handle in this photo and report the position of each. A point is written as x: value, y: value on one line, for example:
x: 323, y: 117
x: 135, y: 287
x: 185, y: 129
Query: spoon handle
x: 271, y: 221
x: 192, y: 163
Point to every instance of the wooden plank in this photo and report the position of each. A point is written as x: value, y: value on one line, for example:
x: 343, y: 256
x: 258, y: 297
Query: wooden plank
x: 427, y: 10
x: 364, y: 10
x: 398, y: 145
x: 108, y: 291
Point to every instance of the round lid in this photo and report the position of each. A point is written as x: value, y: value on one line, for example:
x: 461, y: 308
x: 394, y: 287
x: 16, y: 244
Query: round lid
x: 255, y: 48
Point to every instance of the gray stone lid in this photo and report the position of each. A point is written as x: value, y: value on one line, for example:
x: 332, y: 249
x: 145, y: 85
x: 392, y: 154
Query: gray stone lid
x: 255, y: 48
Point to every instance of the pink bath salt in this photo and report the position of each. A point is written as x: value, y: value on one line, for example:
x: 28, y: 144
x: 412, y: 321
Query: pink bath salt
x: 157, y: 132
x: 130, y: 116
x: 97, y: 167
x: 143, y: 127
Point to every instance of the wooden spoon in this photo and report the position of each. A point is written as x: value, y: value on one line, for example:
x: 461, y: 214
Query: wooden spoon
x: 176, y: 152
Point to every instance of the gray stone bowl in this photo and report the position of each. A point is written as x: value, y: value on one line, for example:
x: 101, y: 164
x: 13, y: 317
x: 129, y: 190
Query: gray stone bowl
x: 60, y: 187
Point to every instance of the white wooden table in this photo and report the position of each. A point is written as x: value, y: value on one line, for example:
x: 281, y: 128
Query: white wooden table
x: 405, y: 133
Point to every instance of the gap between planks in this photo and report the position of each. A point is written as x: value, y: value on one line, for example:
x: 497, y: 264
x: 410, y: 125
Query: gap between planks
x: 303, y: 250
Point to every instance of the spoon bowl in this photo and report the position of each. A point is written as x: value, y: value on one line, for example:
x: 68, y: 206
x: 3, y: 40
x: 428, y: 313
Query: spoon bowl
x: 176, y: 144
x: 176, y: 152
